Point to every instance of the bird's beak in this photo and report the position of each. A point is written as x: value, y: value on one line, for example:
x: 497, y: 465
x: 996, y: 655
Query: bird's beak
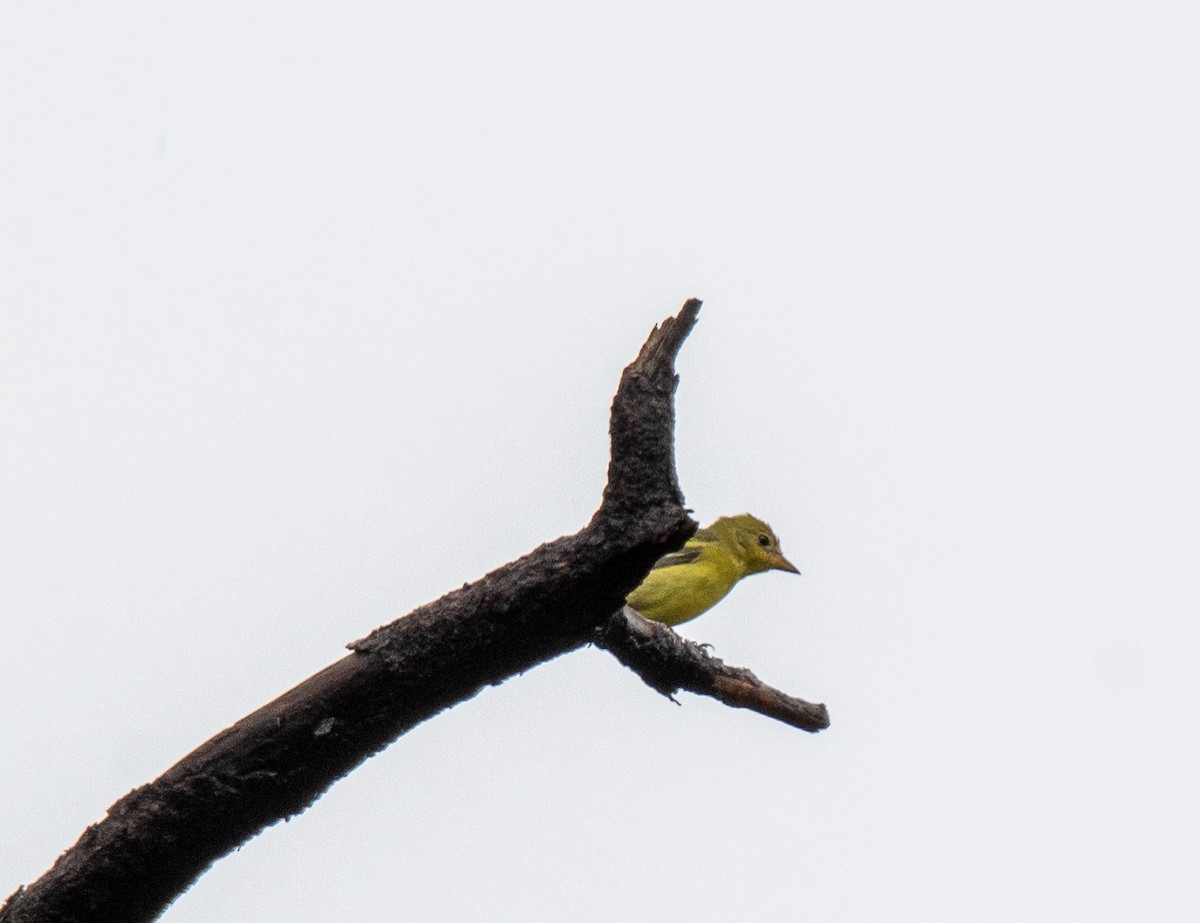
x: 779, y: 562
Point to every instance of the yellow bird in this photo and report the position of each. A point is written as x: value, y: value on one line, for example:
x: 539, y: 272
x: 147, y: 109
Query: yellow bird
x: 692, y: 580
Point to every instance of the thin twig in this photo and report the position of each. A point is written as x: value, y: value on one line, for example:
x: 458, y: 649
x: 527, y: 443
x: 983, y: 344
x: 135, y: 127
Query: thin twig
x: 669, y: 663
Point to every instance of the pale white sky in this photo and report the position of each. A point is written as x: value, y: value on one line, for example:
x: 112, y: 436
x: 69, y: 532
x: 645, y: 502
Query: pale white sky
x: 311, y: 312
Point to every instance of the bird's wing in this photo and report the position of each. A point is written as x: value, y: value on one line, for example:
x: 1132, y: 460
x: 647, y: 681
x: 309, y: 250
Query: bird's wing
x: 685, y: 555
x: 689, y: 552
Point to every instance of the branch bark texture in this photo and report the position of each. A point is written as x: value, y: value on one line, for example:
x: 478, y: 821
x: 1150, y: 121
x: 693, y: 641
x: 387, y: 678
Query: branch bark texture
x: 159, y: 838
x: 669, y: 663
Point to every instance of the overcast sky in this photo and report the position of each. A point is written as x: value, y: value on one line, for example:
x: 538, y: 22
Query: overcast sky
x: 312, y: 312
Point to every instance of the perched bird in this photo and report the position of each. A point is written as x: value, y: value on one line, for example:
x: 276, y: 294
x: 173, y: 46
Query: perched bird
x: 692, y: 580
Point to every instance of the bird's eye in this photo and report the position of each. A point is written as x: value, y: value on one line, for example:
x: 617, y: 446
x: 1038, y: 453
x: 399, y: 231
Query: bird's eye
x: 764, y: 540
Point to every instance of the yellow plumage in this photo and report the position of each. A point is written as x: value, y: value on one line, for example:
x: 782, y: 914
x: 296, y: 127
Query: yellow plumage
x: 690, y: 581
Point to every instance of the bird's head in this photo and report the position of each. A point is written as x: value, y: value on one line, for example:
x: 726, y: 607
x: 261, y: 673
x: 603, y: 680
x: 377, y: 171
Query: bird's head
x: 754, y: 542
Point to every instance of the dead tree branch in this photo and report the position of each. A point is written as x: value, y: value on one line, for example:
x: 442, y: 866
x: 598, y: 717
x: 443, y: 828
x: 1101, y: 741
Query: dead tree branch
x: 157, y: 840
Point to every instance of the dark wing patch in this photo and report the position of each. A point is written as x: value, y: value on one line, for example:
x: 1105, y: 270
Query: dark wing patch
x: 685, y: 555
x: 682, y: 556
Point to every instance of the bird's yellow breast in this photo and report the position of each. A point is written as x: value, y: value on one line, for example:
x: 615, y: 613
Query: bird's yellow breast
x: 679, y: 592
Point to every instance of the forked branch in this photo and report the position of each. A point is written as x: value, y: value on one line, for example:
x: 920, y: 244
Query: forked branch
x: 272, y: 764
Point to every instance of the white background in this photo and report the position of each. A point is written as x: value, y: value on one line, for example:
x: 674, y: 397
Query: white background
x: 311, y: 312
